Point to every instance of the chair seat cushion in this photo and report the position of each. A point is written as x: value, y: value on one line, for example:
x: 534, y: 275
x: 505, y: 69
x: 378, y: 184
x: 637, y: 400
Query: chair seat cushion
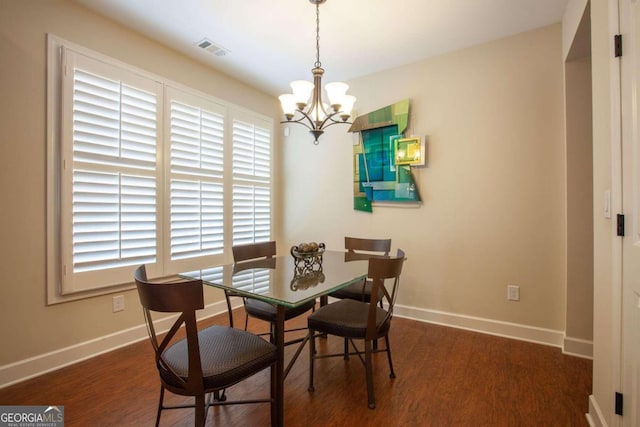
x: 267, y: 312
x: 347, y: 318
x: 228, y: 355
x: 354, y: 291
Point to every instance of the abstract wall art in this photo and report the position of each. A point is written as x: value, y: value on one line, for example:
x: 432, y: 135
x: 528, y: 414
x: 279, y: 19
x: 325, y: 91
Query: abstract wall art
x: 384, y: 156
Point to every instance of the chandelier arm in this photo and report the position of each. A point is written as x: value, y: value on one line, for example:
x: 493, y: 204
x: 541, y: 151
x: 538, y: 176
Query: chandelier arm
x: 334, y: 122
x: 330, y: 119
x: 326, y: 113
x: 310, y: 126
x: 312, y: 123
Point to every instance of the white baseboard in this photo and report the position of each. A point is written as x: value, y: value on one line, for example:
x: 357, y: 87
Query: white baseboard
x: 43, y: 363
x: 486, y: 326
x: 594, y: 416
x: 578, y: 347
x: 570, y: 346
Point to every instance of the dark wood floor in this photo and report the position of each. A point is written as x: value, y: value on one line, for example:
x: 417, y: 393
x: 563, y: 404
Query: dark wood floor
x: 445, y: 377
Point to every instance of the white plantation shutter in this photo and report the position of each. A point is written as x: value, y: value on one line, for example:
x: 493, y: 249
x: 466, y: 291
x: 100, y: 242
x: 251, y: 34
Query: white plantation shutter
x: 114, y: 220
x: 196, y: 177
x: 196, y: 219
x: 251, y: 214
x: 251, y: 152
x: 251, y: 182
x: 110, y: 157
x: 143, y: 172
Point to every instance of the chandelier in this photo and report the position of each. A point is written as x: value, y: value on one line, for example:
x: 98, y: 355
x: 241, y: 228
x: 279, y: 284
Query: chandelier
x: 317, y: 115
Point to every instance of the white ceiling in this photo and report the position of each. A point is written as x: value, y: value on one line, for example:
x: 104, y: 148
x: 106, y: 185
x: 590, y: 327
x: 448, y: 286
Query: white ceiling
x: 272, y: 42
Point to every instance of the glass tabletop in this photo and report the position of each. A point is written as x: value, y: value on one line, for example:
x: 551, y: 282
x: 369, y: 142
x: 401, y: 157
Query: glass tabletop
x: 285, y: 280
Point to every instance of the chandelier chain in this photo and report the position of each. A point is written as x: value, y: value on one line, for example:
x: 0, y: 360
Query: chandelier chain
x: 318, y: 64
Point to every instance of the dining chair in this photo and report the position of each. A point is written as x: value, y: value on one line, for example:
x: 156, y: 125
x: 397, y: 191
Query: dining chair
x: 260, y: 309
x: 361, y: 291
x: 359, y: 320
x: 204, y: 362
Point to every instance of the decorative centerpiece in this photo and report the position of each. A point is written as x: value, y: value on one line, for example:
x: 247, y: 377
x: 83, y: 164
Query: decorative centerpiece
x: 307, y: 250
x: 308, y: 256
x: 308, y: 265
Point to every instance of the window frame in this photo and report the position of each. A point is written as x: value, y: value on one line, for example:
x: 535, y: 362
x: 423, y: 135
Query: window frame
x: 164, y: 266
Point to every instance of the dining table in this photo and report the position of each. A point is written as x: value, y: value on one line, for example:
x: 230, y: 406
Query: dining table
x: 285, y: 281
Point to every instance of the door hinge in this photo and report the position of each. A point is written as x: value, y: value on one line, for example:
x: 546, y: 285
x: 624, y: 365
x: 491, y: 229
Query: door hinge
x: 617, y: 45
x: 620, y: 225
x: 618, y: 403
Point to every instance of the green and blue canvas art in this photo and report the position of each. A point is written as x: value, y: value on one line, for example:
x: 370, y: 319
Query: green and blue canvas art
x: 378, y: 176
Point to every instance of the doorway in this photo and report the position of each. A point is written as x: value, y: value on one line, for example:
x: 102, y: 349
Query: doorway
x: 579, y: 187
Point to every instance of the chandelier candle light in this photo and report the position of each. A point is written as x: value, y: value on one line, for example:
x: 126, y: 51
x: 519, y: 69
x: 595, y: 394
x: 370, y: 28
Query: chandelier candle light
x: 319, y: 115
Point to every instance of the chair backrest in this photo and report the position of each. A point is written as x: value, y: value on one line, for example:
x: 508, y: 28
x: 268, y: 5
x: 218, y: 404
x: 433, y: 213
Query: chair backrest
x: 254, y: 250
x: 178, y: 297
x: 253, y: 264
x: 375, y: 246
x: 383, y: 270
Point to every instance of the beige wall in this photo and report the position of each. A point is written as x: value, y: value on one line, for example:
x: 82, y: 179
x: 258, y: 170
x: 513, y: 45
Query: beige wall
x: 579, y: 146
x: 571, y: 20
x: 579, y: 199
x: 493, y: 210
x: 576, y: 47
x: 27, y: 325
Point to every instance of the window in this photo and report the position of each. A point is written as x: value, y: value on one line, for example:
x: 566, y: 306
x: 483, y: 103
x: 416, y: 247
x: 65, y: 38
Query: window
x: 196, y: 176
x: 251, y: 183
x: 141, y: 170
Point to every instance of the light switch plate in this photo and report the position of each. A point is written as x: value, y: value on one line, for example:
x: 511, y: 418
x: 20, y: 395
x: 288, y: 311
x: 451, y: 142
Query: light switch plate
x: 607, y: 204
x: 118, y: 303
x: 513, y: 293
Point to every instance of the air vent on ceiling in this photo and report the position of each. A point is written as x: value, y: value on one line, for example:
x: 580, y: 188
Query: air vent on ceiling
x: 211, y: 47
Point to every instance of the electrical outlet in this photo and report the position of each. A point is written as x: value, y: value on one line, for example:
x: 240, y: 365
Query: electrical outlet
x: 118, y: 303
x: 513, y: 293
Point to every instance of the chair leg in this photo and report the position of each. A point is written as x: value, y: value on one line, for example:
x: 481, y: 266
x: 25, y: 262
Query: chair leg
x: 199, y: 421
x: 220, y: 395
x: 312, y: 352
x: 375, y: 342
x: 274, y: 388
x: 160, y: 406
x: 229, y: 309
x: 346, y: 349
x: 392, y: 374
x: 369, y: 368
